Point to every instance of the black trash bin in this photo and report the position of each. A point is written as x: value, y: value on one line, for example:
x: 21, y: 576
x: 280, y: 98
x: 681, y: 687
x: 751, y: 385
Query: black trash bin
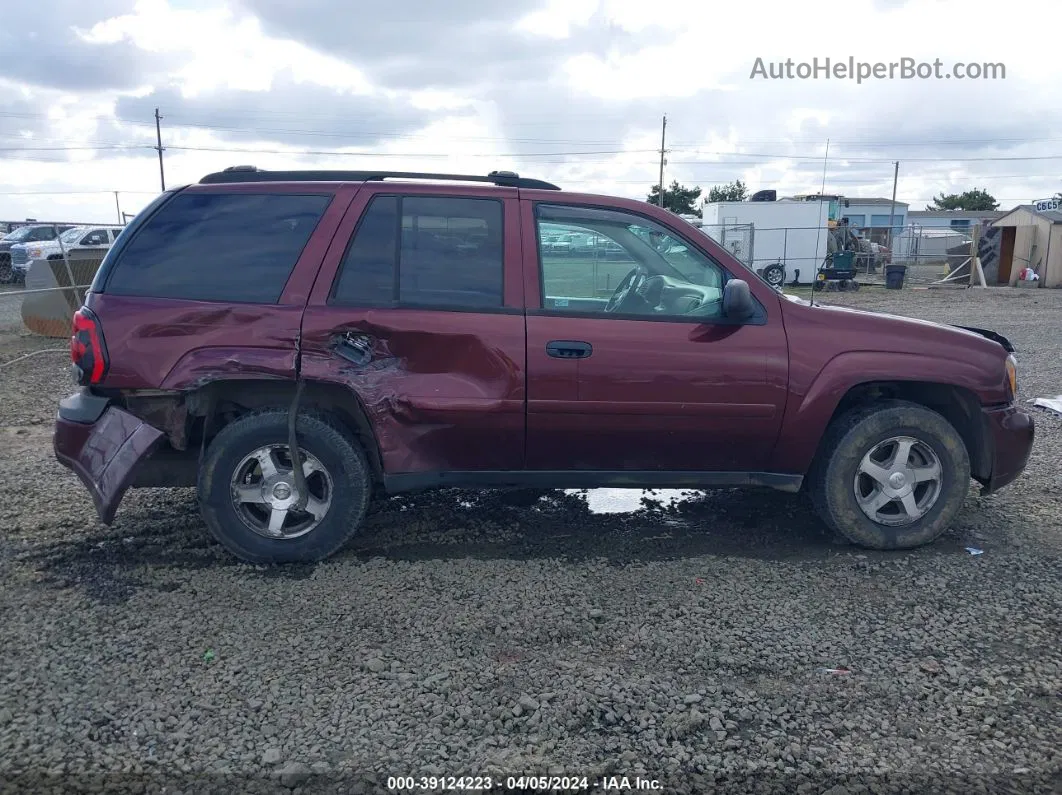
x: 894, y: 275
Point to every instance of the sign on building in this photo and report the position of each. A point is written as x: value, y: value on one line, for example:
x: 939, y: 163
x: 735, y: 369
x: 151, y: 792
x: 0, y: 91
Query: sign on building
x: 1042, y: 205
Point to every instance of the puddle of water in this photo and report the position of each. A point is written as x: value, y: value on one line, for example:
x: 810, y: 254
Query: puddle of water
x: 630, y: 500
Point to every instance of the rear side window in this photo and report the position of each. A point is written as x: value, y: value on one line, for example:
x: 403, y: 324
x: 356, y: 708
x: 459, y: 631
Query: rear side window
x: 238, y: 248
x: 425, y: 251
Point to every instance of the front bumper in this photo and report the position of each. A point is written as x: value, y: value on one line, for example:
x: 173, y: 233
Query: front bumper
x: 1009, y: 434
x: 103, y: 445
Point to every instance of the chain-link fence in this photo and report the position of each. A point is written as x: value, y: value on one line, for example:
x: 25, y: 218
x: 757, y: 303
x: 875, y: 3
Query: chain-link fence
x: 52, y: 292
x: 738, y: 239
x: 929, y: 255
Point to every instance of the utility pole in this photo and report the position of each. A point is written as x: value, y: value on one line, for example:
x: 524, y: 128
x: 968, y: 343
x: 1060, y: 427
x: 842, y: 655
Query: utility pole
x: 118, y: 207
x: 158, y: 147
x: 663, y: 137
x: 892, y: 208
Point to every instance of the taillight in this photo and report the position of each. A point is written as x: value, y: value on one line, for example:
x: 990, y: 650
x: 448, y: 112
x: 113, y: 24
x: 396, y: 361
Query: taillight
x: 88, y: 352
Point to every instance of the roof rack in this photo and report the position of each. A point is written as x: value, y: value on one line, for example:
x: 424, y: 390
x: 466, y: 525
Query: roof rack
x: 509, y: 179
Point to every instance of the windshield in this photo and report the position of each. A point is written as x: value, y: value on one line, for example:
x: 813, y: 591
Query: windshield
x: 72, y: 235
x: 17, y: 235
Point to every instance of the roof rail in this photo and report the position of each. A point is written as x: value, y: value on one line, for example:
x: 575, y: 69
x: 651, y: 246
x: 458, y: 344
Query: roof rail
x: 508, y: 179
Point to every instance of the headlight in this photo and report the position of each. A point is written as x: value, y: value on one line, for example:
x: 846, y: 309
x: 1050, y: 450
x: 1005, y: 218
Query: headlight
x: 1012, y: 375
x: 34, y: 253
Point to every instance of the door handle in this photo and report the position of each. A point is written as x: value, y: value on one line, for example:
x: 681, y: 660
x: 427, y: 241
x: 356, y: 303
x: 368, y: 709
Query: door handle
x: 569, y: 349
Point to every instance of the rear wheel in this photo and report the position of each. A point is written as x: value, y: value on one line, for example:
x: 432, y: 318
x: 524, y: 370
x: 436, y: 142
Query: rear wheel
x: 248, y: 494
x: 891, y: 476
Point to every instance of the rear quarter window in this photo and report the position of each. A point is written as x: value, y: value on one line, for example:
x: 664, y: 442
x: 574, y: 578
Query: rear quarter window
x: 237, y: 247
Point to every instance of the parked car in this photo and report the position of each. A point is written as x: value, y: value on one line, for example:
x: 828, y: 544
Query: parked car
x: 38, y: 233
x: 272, y: 339
x: 23, y: 255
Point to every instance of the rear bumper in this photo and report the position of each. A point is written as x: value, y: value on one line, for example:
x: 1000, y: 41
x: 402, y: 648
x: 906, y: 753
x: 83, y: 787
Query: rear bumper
x: 104, y: 446
x: 1009, y: 433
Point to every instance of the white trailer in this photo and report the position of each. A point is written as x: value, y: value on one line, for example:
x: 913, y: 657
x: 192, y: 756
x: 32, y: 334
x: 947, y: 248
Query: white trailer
x: 792, y: 233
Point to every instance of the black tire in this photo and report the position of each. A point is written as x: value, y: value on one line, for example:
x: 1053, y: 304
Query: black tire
x: 774, y: 275
x: 7, y: 273
x: 850, y: 437
x: 340, y: 455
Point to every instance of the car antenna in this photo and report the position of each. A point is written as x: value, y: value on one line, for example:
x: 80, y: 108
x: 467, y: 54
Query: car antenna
x: 818, y: 228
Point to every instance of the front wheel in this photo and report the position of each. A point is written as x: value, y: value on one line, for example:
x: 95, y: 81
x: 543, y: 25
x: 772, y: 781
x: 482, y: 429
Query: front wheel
x: 891, y: 476
x: 248, y: 495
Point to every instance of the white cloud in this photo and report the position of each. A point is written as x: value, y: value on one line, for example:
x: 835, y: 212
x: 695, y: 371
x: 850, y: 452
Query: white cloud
x: 482, y: 82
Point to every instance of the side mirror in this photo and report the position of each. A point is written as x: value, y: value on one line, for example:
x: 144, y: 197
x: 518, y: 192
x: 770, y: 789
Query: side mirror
x: 737, y: 300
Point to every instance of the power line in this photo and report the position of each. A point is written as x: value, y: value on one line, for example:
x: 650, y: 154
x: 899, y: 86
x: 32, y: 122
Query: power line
x: 74, y: 192
x: 764, y: 157
x: 345, y: 153
x: 385, y: 134
x: 99, y: 148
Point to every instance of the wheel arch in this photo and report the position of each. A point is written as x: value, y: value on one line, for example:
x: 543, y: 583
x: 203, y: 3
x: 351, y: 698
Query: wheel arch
x: 192, y: 418
x: 217, y: 399
x: 854, y: 377
x: 958, y: 405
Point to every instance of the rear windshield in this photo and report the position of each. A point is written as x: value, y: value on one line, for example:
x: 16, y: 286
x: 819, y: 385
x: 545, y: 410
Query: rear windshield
x: 238, y: 247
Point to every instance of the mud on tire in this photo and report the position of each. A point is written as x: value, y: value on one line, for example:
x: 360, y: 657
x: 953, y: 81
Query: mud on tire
x: 836, y: 482
x: 340, y: 457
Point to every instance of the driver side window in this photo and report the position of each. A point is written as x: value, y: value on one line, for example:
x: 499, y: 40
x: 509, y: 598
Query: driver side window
x: 622, y: 264
x: 581, y: 267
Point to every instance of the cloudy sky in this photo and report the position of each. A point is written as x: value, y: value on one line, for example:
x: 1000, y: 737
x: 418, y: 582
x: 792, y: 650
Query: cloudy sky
x: 568, y: 90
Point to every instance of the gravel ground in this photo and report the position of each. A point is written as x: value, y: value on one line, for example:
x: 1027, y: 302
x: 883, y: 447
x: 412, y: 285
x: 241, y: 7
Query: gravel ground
x: 460, y: 636
x: 10, y: 310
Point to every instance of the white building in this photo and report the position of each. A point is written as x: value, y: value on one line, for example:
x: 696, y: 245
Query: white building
x: 958, y: 220
x: 872, y: 217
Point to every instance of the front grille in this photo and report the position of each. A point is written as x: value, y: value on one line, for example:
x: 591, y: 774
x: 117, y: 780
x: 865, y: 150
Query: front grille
x: 19, y: 257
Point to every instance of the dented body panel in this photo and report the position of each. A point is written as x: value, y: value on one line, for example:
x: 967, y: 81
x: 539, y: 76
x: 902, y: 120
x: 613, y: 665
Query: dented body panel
x: 443, y: 390
x: 158, y: 343
x: 105, y: 454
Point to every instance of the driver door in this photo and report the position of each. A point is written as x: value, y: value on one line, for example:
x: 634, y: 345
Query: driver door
x: 643, y: 384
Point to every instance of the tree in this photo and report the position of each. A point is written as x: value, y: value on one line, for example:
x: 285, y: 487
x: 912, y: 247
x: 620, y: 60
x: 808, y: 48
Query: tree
x: 978, y: 199
x: 731, y: 192
x: 678, y: 199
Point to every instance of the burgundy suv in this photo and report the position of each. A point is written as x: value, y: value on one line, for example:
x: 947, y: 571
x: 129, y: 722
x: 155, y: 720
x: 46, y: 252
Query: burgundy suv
x: 293, y: 343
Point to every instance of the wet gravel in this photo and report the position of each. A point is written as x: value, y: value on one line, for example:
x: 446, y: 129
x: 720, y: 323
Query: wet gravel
x: 720, y: 644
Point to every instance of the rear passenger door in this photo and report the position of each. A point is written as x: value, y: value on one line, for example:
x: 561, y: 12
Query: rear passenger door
x: 418, y: 310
